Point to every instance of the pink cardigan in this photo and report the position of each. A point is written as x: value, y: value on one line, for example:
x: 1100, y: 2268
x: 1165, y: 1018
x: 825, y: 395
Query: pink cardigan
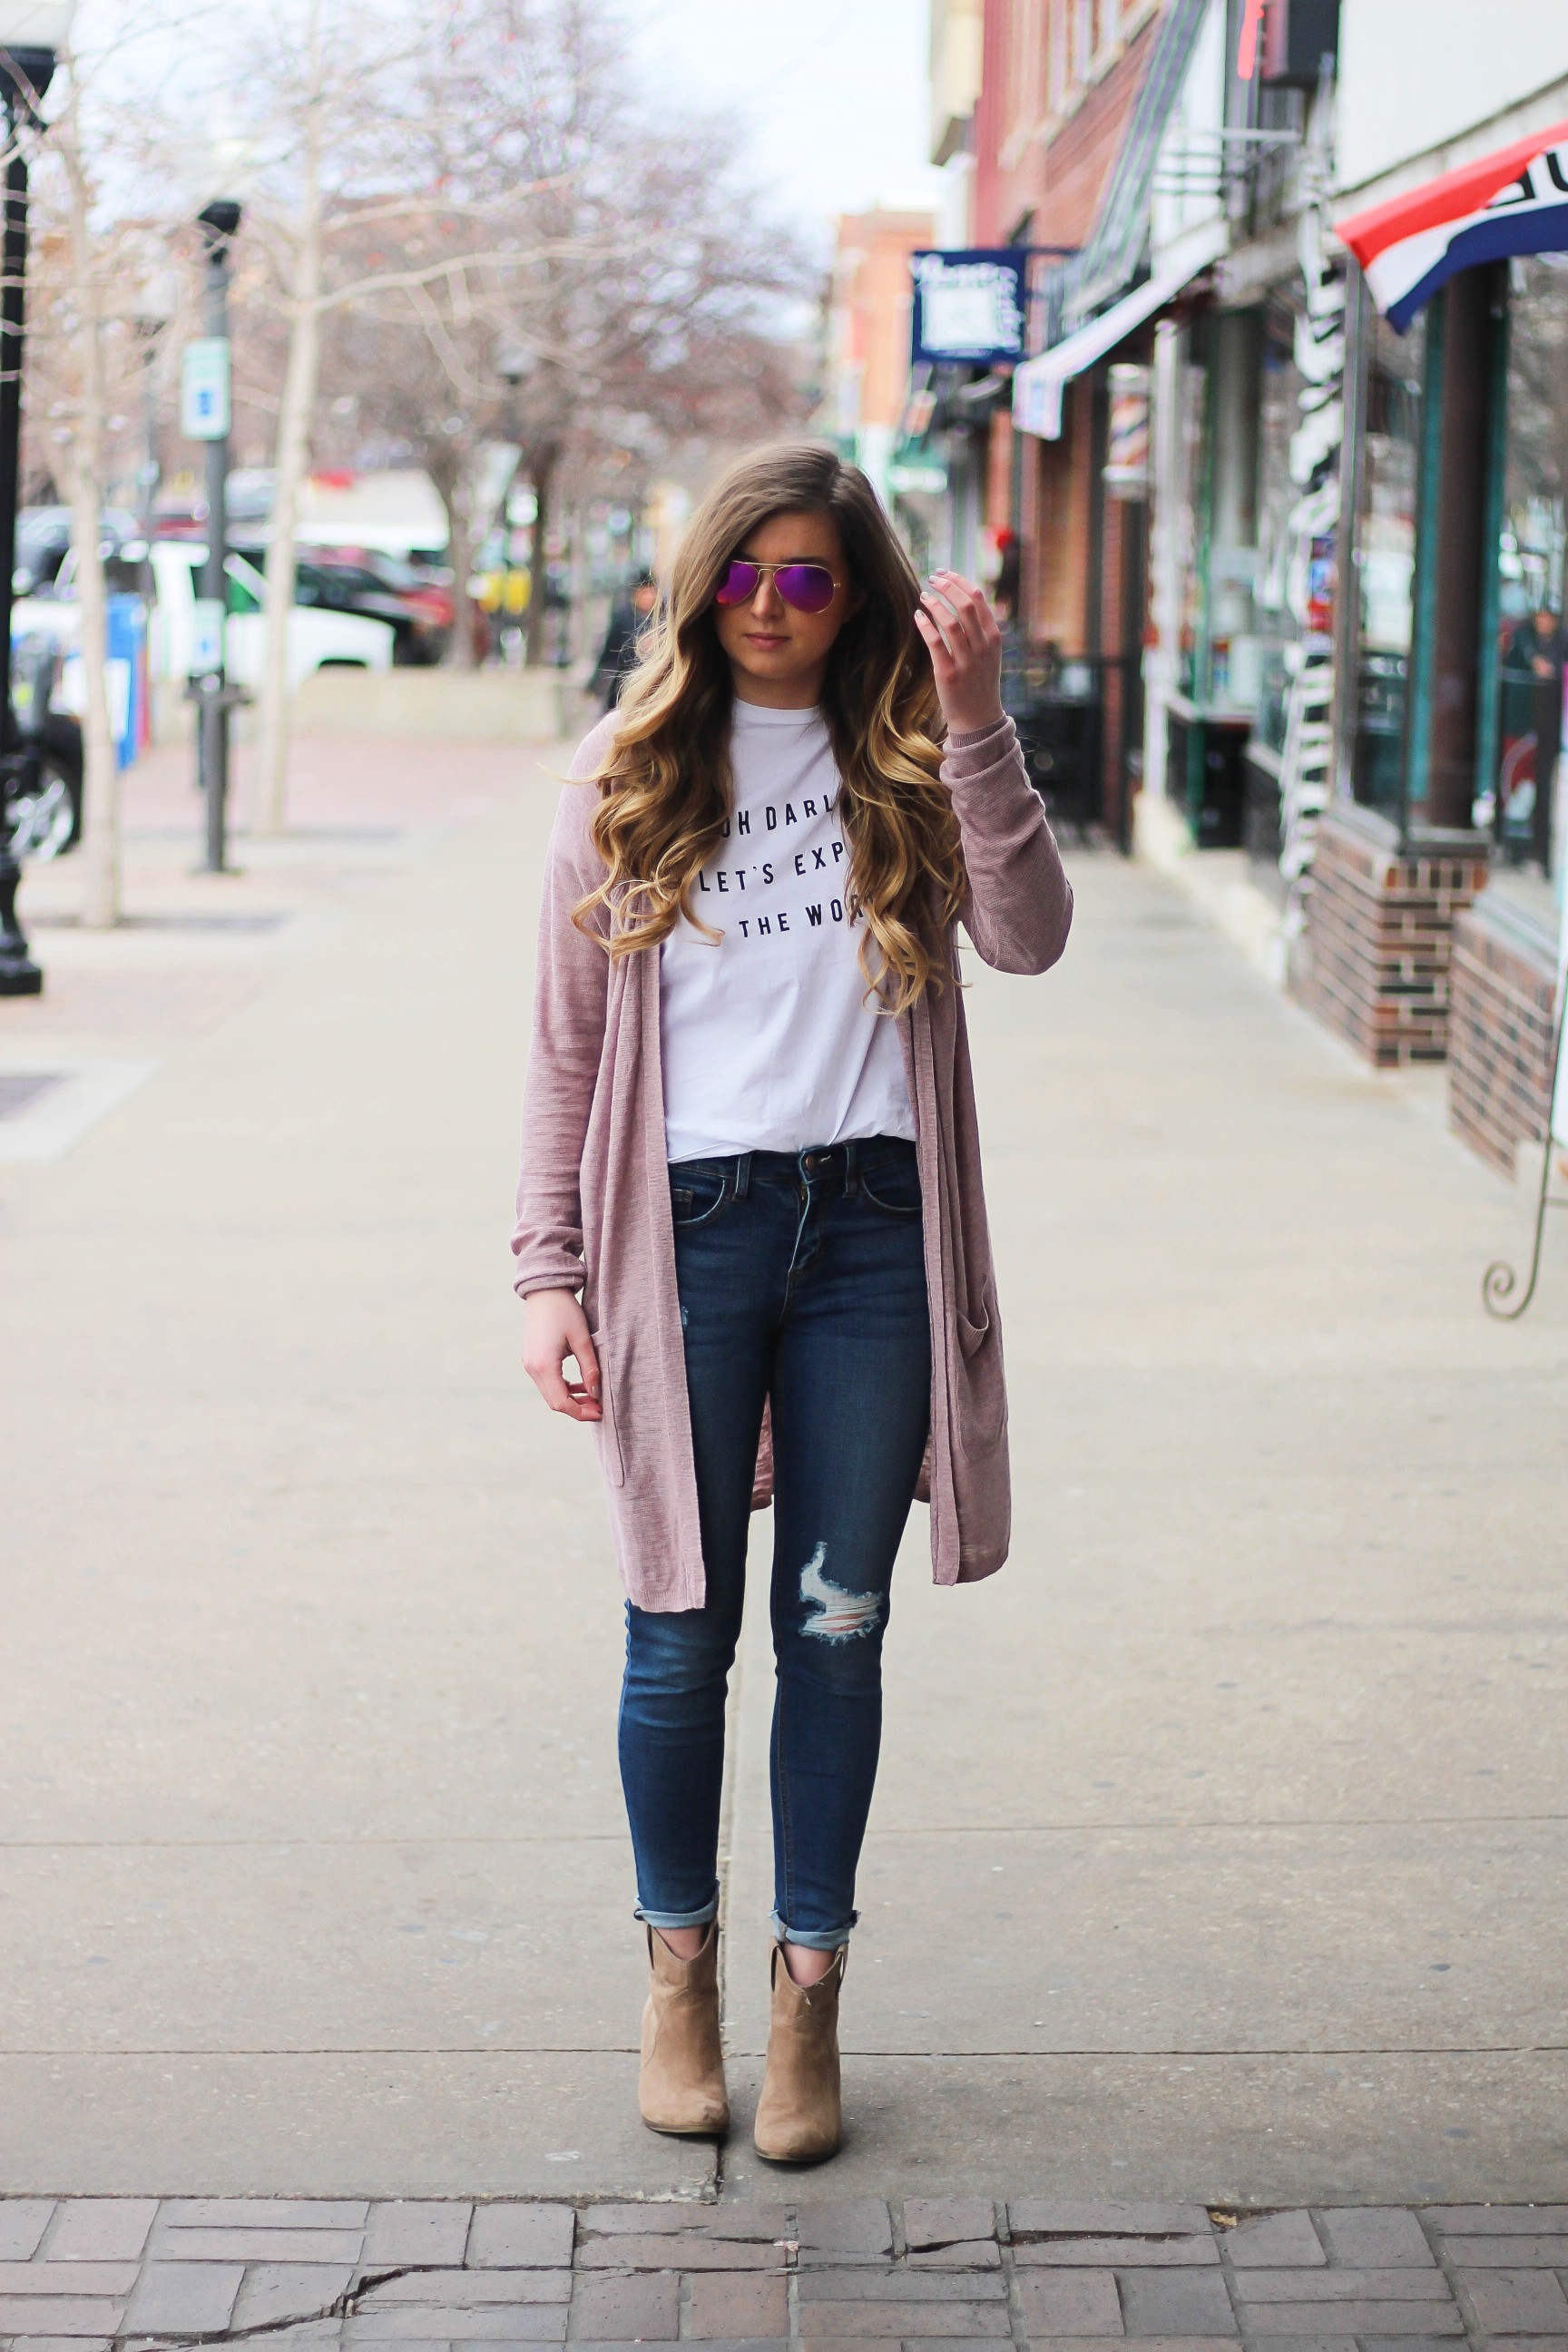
x: 592, y: 1208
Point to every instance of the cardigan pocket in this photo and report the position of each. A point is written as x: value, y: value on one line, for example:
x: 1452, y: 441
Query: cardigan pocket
x: 982, y: 1383
x: 971, y: 1337
x: 607, y: 1432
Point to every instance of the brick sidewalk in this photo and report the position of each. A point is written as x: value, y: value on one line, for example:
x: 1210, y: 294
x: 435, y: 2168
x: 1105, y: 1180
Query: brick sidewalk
x: 84, y: 2273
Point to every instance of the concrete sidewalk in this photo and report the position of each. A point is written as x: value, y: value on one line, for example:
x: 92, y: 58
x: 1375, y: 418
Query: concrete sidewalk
x: 313, y: 1877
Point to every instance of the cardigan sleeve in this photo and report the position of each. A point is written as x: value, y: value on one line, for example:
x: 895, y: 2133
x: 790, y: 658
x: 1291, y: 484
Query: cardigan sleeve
x: 1018, y: 907
x: 567, y: 1045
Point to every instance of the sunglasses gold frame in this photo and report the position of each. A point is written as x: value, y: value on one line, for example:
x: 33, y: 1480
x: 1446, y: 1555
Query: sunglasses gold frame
x: 792, y: 563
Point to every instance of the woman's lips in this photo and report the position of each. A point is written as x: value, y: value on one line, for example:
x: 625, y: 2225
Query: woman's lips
x: 764, y: 638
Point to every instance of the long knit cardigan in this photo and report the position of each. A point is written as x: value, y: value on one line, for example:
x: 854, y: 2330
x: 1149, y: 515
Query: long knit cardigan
x: 593, y: 1208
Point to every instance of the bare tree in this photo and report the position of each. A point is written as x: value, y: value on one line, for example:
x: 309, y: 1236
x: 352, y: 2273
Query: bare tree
x: 344, y: 108
x: 621, y: 299
x: 83, y: 367
x: 465, y: 212
x: 428, y: 389
x: 84, y: 465
x: 319, y: 106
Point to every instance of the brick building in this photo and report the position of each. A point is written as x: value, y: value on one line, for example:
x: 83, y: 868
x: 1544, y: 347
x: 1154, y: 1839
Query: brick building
x: 1055, y: 155
x: 867, y: 334
x: 1292, y: 574
x: 1452, y: 549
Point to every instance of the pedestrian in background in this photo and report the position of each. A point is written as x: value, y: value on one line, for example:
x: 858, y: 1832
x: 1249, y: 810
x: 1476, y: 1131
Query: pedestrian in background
x: 750, y: 1144
x: 629, y: 616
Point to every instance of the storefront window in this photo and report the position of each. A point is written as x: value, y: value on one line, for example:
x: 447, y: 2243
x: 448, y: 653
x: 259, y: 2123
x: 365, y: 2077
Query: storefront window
x: 1533, y: 643
x: 1235, y: 348
x: 1387, y: 565
x: 1255, y: 591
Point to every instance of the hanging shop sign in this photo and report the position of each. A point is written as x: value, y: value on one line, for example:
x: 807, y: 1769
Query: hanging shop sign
x: 969, y: 305
x: 1515, y: 200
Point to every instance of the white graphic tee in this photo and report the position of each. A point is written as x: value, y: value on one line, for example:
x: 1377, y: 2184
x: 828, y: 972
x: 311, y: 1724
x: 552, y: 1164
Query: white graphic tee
x: 771, y: 1041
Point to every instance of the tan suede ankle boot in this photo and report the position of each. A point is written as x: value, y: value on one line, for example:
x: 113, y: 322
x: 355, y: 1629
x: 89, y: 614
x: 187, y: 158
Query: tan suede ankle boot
x: 682, y: 2085
x: 800, y: 2115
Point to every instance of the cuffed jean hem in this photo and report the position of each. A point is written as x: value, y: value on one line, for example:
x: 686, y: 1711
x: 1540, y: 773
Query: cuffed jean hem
x: 812, y: 1940
x: 679, y: 1918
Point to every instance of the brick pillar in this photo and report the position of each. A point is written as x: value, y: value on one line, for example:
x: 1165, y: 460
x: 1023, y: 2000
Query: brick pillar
x: 1378, y: 946
x: 1501, y: 1029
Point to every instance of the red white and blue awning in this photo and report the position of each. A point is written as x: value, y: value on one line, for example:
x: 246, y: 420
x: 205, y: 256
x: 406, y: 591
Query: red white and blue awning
x: 1515, y: 200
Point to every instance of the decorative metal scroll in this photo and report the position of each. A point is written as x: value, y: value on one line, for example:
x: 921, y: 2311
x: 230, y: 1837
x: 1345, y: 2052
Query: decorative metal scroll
x: 1499, y: 1281
x: 1305, y: 781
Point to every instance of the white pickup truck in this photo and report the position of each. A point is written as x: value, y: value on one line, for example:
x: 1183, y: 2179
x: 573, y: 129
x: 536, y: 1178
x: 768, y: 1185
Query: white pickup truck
x: 48, y: 822
x: 318, y: 639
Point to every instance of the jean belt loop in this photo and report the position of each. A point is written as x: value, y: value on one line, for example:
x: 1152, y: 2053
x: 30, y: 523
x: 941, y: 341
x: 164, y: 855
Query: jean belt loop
x: 742, y: 1175
x: 851, y: 1169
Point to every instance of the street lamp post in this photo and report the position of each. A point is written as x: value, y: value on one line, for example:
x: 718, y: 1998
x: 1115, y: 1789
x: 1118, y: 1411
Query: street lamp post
x: 31, y: 32
x: 205, y: 409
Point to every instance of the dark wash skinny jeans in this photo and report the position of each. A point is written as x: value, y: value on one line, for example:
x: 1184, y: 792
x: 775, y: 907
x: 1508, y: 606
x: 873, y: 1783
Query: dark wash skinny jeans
x: 801, y: 1280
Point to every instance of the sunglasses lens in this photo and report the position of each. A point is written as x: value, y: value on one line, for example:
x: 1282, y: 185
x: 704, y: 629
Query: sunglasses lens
x: 739, y: 584
x: 807, y: 586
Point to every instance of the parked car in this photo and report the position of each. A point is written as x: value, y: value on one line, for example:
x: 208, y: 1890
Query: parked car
x: 43, y: 542
x: 319, y: 637
x: 45, y: 819
x: 358, y: 580
x: 425, y: 588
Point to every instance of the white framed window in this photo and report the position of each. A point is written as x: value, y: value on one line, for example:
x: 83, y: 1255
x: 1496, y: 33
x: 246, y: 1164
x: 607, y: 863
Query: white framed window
x: 1060, y: 61
x: 1083, y: 39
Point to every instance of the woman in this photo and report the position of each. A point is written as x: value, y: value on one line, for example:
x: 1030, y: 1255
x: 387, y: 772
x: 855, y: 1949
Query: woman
x: 750, y: 1144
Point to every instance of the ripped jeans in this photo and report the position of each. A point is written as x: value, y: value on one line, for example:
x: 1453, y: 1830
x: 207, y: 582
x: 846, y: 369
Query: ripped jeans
x: 802, y: 1281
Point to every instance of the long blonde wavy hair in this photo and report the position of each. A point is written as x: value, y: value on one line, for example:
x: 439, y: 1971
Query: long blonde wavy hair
x: 664, y: 785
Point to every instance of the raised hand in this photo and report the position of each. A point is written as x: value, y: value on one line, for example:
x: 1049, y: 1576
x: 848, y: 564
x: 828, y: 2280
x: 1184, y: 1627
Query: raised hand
x: 965, y: 645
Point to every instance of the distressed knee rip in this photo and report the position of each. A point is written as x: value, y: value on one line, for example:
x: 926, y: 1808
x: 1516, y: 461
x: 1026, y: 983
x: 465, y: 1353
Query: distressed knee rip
x: 837, y: 1615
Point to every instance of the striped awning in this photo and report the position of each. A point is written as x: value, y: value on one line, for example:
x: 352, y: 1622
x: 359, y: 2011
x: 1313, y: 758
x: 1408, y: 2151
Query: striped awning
x: 1039, y: 382
x: 1515, y: 200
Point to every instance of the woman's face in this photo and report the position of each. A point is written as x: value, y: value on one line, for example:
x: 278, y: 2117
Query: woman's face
x: 778, y: 655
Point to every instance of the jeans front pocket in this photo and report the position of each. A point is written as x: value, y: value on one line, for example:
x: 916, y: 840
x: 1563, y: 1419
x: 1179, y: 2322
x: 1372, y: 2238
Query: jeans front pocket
x: 893, y: 1185
x: 700, y: 1192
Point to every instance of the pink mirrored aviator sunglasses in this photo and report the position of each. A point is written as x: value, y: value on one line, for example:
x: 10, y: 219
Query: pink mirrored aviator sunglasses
x: 807, y: 587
